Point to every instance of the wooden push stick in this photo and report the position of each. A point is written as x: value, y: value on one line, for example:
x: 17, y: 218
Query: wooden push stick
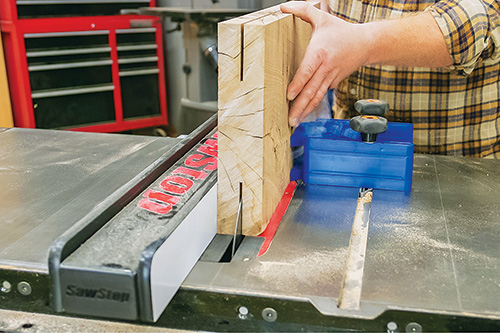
x: 258, y: 56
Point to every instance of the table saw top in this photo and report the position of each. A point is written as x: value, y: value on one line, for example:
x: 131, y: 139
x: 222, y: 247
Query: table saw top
x: 52, y: 179
x: 434, y: 250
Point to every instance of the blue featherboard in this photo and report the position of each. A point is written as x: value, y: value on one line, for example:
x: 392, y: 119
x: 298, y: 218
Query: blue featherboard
x: 329, y: 152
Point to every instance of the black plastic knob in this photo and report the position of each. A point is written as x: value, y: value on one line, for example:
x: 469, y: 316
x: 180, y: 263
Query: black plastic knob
x: 369, y: 126
x: 373, y: 107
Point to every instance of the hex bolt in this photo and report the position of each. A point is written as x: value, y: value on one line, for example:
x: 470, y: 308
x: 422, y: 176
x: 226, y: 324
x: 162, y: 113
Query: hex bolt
x: 414, y: 328
x: 24, y: 288
x: 392, y: 327
x: 6, y: 287
x: 243, y: 312
x: 269, y: 314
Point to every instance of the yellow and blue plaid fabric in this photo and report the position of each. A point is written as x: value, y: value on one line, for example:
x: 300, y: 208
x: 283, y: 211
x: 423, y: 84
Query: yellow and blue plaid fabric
x: 455, y: 110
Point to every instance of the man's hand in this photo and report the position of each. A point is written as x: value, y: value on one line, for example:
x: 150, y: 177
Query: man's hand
x: 337, y: 48
x: 333, y: 53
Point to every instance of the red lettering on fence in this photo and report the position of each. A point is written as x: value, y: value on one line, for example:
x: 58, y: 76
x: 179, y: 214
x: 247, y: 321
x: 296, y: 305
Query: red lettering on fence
x: 176, y: 184
x: 199, y: 160
x: 196, y: 174
x: 209, y: 147
x: 164, y: 206
x: 155, y: 207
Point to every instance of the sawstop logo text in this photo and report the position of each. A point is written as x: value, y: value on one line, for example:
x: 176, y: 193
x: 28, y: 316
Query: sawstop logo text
x: 101, y: 293
x: 195, y: 167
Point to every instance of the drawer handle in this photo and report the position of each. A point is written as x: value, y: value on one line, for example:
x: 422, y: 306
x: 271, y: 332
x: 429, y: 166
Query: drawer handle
x: 137, y: 60
x: 37, y: 68
x: 137, y: 47
x: 140, y: 72
x: 34, y: 54
x: 67, y: 33
x: 135, y: 30
x: 69, y: 92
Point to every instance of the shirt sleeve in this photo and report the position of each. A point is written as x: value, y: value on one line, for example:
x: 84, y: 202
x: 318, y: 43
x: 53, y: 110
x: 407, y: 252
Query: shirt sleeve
x: 471, y: 29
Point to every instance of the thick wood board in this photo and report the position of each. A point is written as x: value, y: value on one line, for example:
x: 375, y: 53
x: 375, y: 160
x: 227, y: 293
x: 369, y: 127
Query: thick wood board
x: 258, y: 56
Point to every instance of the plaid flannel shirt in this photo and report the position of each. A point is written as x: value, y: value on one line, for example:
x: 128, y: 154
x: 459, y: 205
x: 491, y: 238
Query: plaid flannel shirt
x: 455, y: 110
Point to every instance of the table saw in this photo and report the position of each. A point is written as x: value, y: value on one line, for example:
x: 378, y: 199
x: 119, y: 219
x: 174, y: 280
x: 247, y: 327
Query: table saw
x: 124, y: 228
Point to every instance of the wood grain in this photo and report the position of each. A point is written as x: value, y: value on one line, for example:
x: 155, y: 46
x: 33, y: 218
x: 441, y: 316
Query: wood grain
x: 258, y: 55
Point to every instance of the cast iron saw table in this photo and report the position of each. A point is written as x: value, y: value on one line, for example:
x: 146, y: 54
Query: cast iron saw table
x: 432, y: 261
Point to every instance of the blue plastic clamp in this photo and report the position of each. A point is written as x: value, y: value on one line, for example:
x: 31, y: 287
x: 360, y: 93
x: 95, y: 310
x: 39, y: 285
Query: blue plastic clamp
x: 329, y: 152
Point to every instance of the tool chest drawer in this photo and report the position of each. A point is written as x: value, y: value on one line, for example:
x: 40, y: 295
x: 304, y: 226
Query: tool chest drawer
x: 65, y: 61
x: 75, y: 109
x: 94, y: 74
x: 24, y: 9
x: 70, y: 77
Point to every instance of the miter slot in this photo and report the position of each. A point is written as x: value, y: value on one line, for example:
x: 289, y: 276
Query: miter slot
x: 350, y: 298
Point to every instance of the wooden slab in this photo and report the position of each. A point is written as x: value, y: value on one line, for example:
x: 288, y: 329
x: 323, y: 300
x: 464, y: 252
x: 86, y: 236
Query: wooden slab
x: 258, y: 55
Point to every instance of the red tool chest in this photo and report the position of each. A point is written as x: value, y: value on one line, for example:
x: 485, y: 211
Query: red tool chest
x: 79, y: 65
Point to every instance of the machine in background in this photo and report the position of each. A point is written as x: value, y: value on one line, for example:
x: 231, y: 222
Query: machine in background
x: 191, y: 48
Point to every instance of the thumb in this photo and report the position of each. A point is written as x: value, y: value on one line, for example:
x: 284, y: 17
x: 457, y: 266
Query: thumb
x: 302, y: 10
